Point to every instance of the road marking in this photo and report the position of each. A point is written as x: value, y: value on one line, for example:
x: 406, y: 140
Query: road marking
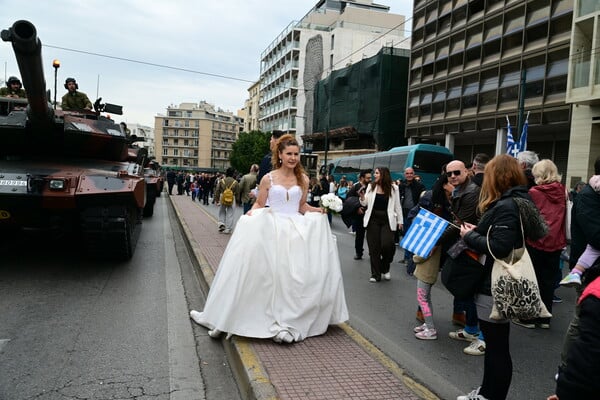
x: 3, y: 342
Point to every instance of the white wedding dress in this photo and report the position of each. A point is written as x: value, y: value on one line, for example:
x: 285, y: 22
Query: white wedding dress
x: 280, y: 272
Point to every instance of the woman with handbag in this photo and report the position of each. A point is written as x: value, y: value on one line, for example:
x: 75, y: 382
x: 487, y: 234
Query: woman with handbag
x: 382, y: 217
x: 504, y: 203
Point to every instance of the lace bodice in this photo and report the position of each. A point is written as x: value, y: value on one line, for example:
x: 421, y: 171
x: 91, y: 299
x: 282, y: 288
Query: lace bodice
x: 284, y: 200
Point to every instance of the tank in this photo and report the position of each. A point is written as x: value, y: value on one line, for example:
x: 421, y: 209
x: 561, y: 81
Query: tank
x: 66, y: 171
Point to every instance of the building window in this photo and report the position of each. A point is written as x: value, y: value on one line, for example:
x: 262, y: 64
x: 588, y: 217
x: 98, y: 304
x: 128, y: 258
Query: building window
x: 165, y: 152
x: 175, y: 152
x: 175, y: 142
x: 332, y: 41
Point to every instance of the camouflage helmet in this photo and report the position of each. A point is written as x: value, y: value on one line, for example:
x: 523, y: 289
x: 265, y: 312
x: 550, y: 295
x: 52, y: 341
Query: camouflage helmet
x: 13, y: 79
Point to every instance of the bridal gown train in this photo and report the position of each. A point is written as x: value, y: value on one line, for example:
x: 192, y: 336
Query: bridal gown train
x: 280, y: 272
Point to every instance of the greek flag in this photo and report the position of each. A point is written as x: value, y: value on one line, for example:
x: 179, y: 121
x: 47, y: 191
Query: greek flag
x: 512, y: 147
x: 423, y: 233
x: 523, y: 138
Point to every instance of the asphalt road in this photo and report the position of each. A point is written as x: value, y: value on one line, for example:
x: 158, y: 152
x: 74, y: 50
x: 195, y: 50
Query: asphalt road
x: 75, y: 328
x: 385, y: 314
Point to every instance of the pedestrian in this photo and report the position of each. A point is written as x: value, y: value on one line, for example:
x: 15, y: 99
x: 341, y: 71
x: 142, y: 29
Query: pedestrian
x: 283, y: 283
x: 527, y: 160
x: 382, y: 218
x: 357, y: 190
x: 171, y: 180
x: 247, y: 188
x: 74, y: 99
x: 465, y: 199
x: 437, y: 201
x: 225, y: 204
x: 585, y: 230
x: 579, y: 379
x: 550, y: 197
x: 504, y: 203
x: 266, y: 163
x: 477, y: 166
x: 410, y: 192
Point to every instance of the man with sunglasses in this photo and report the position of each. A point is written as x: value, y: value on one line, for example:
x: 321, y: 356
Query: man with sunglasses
x: 465, y: 199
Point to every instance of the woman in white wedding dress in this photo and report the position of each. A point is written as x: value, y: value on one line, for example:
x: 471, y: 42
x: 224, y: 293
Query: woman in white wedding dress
x: 280, y: 275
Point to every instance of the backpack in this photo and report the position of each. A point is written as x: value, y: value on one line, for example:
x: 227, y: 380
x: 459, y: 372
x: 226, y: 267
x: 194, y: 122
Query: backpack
x: 227, y: 198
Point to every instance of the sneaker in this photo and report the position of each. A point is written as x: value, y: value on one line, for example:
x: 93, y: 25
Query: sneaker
x: 571, y: 280
x: 227, y: 231
x: 358, y: 256
x: 419, y: 316
x: 387, y: 276
x: 459, y: 319
x: 476, y: 348
x: 461, y: 334
x: 556, y: 299
x: 420, y: 328
x: 426, y: 334
x: 524, y: 324
x: 221, y: 227
x: 474, y: 395
x: 543, y: 325
x: 372, y: 280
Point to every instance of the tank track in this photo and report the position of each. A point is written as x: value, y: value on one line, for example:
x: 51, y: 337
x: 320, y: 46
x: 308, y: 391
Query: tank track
x: 111, y: 231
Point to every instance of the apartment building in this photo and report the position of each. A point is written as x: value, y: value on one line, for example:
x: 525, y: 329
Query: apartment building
x: 196, y: 136
x: 583, y: 90
x: 145, y: 132
x: 475, y: 62
x: 251, y: 108
x: 332, y: 35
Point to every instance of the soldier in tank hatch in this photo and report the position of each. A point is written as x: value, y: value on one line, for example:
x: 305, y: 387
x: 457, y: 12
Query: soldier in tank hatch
x: 13, y: 89
x: 74, y: 99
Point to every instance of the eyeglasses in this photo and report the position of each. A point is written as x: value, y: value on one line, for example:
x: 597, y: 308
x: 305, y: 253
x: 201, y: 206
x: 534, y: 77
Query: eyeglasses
x: 456, y: 173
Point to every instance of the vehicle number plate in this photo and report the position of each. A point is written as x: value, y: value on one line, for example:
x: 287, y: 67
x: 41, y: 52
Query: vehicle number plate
x: 12, y: 182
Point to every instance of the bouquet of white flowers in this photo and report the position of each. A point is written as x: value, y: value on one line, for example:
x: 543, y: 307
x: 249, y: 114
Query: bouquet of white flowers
x: 331, y: 202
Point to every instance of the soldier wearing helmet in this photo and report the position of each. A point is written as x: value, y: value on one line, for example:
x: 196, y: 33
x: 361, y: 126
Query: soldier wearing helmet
x: 73, y: 99
x: 13, y: 89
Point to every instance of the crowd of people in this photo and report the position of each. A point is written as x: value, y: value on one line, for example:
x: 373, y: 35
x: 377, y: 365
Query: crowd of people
x: 494, y: 206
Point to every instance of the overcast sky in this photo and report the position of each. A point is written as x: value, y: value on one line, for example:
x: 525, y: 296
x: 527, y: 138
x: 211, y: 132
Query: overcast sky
x: 136, y: 42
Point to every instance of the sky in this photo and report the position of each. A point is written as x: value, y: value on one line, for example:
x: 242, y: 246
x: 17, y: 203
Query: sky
x: 147, y: 55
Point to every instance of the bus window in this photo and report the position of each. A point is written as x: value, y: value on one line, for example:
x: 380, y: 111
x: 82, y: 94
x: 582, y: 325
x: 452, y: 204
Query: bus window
x: 398, y: 162
x: 353, y: 166
x: 382, y: 161
x: 431, y: 162
x: 367, y: 163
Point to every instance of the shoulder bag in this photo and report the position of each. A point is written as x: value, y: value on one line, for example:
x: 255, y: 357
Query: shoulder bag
x: 515, y: 290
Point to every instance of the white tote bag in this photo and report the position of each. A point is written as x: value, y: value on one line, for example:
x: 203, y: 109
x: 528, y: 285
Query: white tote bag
x: 515, y: 290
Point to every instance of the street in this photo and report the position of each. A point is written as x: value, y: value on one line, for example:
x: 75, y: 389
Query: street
x: 76, y: 328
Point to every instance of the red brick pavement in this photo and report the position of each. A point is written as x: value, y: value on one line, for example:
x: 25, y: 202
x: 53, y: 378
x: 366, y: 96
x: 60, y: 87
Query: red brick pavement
x: 331, y: 366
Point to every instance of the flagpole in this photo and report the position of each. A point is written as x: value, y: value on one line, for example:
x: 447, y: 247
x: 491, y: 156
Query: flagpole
x: 521, y: 102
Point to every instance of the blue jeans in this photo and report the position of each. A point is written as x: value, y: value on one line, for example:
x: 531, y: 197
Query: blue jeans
x: 468, y: 306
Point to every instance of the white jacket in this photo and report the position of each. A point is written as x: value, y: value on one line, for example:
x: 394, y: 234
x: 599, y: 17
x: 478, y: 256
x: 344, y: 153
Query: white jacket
x: 394, y: 210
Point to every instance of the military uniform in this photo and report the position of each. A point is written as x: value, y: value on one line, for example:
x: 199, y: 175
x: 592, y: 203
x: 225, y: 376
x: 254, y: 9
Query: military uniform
x: 75, y: 101
x: 8, y: 92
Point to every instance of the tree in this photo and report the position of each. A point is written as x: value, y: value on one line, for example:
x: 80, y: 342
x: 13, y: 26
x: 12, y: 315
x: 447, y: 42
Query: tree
x: 249, y: 149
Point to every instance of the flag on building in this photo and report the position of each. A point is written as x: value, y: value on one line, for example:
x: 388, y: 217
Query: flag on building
x: 423, y: 233
x: 512, y: 147
x: 523, y: 138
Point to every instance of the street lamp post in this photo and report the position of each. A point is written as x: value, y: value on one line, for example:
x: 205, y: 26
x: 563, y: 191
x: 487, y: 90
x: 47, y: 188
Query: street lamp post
x: 56, y: 65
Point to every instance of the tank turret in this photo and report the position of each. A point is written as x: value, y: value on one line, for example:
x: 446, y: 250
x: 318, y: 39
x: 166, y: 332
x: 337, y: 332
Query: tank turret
x: 28, y: 52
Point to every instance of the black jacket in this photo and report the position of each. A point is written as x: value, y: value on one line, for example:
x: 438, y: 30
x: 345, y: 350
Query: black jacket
x: 503, y: 222
x: 585, y: 222
x: 416, y: 189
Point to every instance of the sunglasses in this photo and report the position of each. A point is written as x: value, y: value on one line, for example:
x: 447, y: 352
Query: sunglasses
x: 456, y: 173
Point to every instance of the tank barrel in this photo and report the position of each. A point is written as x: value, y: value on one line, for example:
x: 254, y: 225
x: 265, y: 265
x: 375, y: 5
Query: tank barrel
x: 28, y: 52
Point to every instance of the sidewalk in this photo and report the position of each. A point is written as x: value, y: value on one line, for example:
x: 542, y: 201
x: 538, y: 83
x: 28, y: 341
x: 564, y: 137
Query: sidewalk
x: 340, y: 364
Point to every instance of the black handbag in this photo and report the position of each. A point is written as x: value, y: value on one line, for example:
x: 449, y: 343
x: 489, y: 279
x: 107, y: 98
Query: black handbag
x: 462, y: 276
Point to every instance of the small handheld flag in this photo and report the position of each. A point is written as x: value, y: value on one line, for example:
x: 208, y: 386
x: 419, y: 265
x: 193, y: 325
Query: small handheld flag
x: 512, y: 148
x: 423, y: 233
